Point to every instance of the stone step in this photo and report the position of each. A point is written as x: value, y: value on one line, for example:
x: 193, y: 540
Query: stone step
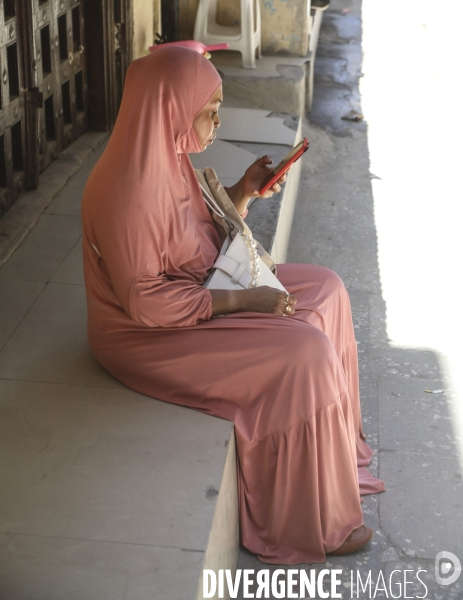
x: 278, y: 83
x: 84, y: 495
x: 244, y: 135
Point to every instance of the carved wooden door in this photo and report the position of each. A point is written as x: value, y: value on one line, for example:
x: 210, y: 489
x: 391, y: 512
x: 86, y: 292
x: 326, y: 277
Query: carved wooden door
x: 44, y: 105
x: 109, y: 25
x: 122, y: 56
x: 59, y: 72
x: 49, y: 94
x: 12, y: 107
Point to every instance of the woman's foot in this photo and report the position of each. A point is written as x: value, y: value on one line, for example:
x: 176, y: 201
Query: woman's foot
x: 356, y: 540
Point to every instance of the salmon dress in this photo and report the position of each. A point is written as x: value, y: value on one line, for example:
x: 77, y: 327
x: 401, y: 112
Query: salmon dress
x: 289, y: 384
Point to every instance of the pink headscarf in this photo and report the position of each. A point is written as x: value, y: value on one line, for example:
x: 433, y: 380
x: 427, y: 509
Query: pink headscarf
x: 142, y: 207
x: 167, y: 88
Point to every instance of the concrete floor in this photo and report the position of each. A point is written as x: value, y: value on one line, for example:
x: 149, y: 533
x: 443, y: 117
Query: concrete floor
x: 105, y: 493
x: 416, y: 435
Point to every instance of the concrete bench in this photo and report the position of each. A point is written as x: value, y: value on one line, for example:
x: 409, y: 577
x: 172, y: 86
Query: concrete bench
x: 105, y: 492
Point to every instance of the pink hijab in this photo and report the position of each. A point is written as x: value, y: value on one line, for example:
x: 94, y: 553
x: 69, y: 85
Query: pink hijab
x: 143, y: 212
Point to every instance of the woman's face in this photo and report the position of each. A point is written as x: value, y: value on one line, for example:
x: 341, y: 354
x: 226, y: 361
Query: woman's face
x: 208, y: 120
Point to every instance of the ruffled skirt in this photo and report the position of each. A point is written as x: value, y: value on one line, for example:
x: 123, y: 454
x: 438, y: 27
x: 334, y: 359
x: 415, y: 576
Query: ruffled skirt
x: 290, y: 385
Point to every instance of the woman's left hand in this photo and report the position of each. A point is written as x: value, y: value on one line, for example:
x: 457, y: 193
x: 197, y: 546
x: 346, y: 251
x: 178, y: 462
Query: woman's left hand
x: 254, y: 176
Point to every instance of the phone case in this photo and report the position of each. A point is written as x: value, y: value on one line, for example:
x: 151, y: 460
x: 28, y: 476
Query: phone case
x: 284, y: 165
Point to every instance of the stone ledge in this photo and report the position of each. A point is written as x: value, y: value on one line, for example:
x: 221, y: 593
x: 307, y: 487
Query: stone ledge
x: 271, y: 221
x: 213, y: 530
x: 278, y: 83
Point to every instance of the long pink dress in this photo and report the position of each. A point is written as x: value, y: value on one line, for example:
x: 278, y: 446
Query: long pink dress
x: 290, y: 384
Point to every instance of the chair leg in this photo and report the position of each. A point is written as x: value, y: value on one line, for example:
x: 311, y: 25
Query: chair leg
x: 206, y: 13
x: 258, y: 29
x: 247, y: 35
x: 249, y: 45
x: 310, y: 78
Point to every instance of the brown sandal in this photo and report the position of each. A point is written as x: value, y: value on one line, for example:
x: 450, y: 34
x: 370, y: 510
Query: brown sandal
x: 356, y: 540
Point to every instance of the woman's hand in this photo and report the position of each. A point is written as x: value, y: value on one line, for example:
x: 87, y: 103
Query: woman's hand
x: 260, y: 299
x: 269, y: 300
x: 248, y: 186
x: 254, y: 176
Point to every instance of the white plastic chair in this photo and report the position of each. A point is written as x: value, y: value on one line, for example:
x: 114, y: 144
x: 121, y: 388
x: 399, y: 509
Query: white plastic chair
x: 246, y: 38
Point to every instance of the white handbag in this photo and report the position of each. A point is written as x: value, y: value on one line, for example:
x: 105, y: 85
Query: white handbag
x: 239, y: 265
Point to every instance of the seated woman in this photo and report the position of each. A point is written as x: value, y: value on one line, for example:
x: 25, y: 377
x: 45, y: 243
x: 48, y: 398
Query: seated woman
x: 282, y: 367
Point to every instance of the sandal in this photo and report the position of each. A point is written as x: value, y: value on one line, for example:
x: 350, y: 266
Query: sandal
x: 356, y: 540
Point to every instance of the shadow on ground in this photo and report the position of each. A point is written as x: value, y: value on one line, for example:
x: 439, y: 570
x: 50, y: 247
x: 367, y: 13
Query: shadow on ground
x: 409, y: 428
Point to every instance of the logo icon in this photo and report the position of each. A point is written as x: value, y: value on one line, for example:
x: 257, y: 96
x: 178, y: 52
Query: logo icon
x: 444, y: 563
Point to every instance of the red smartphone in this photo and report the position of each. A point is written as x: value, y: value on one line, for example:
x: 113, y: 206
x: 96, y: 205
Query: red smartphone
x: 284, y: 165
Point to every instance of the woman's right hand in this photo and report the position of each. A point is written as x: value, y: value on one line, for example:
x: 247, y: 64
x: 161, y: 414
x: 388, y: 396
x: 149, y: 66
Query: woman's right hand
x: 260, y: 299
x: 269, y: 300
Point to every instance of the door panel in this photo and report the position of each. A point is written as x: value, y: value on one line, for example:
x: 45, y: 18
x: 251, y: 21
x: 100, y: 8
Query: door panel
x: 12, y: 109
x: 109, y: 26
x: 43, y: 88
x: 48, y: 92
x: 61, y: 75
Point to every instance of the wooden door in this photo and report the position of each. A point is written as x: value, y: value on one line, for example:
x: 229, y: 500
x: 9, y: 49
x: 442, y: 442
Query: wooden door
x: 59, y: 73
x: 43, y: 99
x: 12, y: 106
x: 49, y: 92
x: 109, y: 25
x: 122, y: 56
